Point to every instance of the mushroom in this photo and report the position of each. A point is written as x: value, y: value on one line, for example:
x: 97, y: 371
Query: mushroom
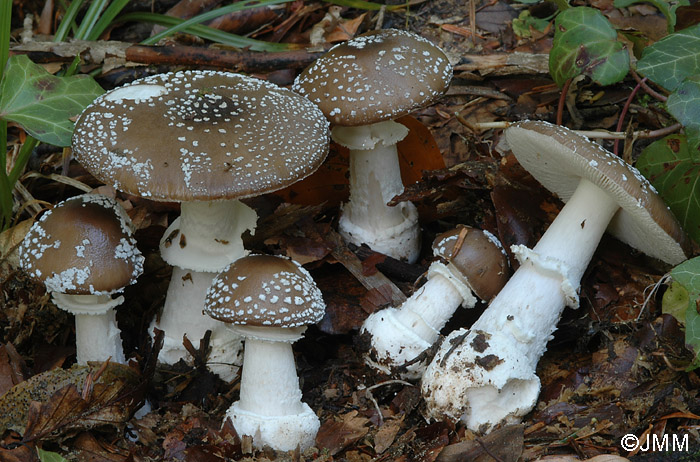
x: 475, y: 264
x: 486, y: 374
x: 205, y: 139
x: 361, y: 86
x: 269, y: 301
x: 83, y: 251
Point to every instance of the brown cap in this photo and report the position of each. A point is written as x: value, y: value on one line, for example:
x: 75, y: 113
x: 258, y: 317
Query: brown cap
x: 200, y: 135
x: 478, y: 256
x: 265, y: 290
x: 558, y: 158
x: 376, y: 76
x: 82, y: 246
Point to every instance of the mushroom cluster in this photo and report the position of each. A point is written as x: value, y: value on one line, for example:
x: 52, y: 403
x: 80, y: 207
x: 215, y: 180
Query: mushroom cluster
x: 269, y: 301
x: 83, y: 251
x: 471, y: 262
x: 486, y: 374
x: 362, y: 85
x: 205, y: 139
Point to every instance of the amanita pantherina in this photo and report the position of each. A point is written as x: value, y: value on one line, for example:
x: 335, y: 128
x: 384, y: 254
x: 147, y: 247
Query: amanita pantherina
x: 269, y: 301
x: 205, y: 139
x: 361, y: 86
x: 83, y: 251
x: 486, y: 374
x: 471, y: 260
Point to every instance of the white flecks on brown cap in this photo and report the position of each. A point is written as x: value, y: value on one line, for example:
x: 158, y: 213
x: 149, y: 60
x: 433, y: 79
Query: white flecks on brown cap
x: 265, y: 290
x: 558, y: 158
x: 376, y: 76
x: 82, y: 246
x: 477, y: 257
x: 200, y: 135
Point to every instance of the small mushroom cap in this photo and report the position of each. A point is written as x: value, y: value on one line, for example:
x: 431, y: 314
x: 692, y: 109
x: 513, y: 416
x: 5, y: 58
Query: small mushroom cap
x: 478, y: 256
x: 82, y: 246
x: 376, y: 76
x: 265, y: 290
x: 558, y: 158
x: 200, y: 135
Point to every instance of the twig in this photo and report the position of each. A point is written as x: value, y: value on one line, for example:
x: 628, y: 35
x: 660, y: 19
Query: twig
x: 647, y: 88
x: 562, y: 100
x: 625, y: 108
x: 370, y: 396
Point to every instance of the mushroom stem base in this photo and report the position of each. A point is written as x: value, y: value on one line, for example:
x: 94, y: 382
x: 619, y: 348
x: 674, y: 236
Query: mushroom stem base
x: 399, y: 335
x: 375, y: 179
x: 183, y: 315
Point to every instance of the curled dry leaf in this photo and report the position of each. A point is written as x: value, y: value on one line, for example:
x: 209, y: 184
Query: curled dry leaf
x: 50, y: 404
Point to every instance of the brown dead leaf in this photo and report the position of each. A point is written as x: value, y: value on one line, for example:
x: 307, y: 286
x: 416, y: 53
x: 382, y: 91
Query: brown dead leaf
x: 335, y: 435
x: 345, y: 29
x: 506, y: 444
x: 92, y: 450
x: 50, y: 403
x: 386, y: 434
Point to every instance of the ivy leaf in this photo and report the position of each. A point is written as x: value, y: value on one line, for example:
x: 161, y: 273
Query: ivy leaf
x: 666, y: 7
x: 42, y: 103
x: 586, y: 43
x: 672, y: 59
x: 674, y: 170
x: 684, y: 105
x: 687, y: 274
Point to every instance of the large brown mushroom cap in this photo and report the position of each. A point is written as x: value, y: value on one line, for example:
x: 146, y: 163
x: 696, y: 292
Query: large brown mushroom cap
x: 477, y: 256
x: 264, y: 290
x: 82, y: 246
x: 558, y: 158
x: 200, y: 135
x: 376, y: 76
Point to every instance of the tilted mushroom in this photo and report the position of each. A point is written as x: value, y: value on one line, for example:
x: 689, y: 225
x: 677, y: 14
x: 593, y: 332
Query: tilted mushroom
x: 269, y: 301
x: 474, y: 264
x: 486, y: 374
x: 361, y: 86
x: 83, y: 251
x: 205, y: 139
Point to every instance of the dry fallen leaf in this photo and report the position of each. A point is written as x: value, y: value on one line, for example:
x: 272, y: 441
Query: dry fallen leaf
x: 335, y: 435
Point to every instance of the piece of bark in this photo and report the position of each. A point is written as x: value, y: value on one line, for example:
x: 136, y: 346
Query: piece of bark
x: 505, y: 63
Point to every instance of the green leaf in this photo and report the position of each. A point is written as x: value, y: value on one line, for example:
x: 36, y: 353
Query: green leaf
x: 684, y: 105
x: 586, y: 43
x: 41, y: 103
x: 48, y: 456
x: 672, y: 59
x: 674, y: 170
x: 666, y: 7
x: 687, y: 274
x: 525, y: 22
x: 675, y: 301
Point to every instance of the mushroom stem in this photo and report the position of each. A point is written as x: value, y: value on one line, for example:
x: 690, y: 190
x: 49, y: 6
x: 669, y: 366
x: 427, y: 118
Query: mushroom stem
x: 375, y: 179
x: 270, y: 407
x: 207, y: 235
x: 183, y: 315
x: 97, y: 336
x: 497, y: 357
x: 202, y: 241
x: 399, y: 335
x: 269, y: 381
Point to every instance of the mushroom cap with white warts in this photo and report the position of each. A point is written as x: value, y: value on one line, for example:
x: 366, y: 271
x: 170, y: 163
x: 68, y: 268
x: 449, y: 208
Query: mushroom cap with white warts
x: 558, y: 158
x: 200, y: 136
x: 379, y: 75
x: 478, y: 256
x: 265, y: 290
x: 82, y: 246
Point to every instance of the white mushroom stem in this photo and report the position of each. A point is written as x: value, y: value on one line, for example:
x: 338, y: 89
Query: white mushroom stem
x: 207, y: 235
x: 399, y: 335
x: 202, y: 241
x: 270, y: 407
x: 487, y: 374
x: 97, y: 336
x: 375, y: 179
